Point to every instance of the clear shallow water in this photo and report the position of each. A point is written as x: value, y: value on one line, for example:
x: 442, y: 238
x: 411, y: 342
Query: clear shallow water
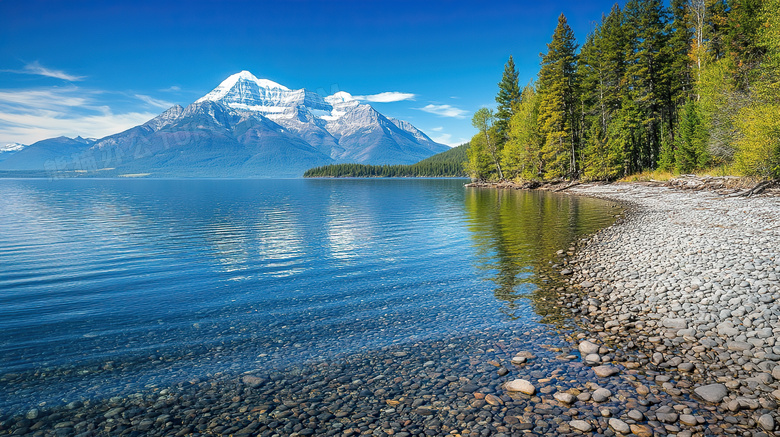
x: 110, y: 286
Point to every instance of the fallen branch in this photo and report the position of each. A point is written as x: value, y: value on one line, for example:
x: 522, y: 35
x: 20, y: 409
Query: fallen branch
x: 761, y: 186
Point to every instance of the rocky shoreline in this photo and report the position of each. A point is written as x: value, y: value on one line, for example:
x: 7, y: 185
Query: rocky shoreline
x: 687, y: 288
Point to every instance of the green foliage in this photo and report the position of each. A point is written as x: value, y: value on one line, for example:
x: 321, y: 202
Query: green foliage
x: 508, y: 96
x: 522, y: 154
x: 456, y: 155
x: 483, y: 120
x: 769, y: 40
x: 601, y: 72
x: 690, y: 152
x: 677, y: 53
x: 758, y: 146
x: 680, y: 87
x: 557, y: 97
x: 478, y: 166
x: 603, y: 155
x: 720, y: 103
x: 741, y: 40
x: 646, y: 77
x: 758, y: 150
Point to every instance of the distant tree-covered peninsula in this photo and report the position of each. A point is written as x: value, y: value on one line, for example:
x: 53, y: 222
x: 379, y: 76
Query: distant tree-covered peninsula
x: 450, y: 163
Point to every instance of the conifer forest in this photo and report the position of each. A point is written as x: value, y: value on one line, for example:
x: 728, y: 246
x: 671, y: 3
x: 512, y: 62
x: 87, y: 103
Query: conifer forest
x: 684, y: 88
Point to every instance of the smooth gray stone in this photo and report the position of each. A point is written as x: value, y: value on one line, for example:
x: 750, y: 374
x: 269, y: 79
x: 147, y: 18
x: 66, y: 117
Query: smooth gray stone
x: 712, y: 393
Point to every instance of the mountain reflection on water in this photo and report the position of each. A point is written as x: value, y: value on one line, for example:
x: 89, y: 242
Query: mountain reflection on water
x: 110, y: 286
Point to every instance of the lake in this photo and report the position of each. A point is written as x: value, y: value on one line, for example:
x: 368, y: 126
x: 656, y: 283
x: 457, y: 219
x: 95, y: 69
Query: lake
x: 111, y: 287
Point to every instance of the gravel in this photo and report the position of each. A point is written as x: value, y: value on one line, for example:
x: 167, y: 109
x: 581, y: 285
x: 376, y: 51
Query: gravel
x: 686, y: 286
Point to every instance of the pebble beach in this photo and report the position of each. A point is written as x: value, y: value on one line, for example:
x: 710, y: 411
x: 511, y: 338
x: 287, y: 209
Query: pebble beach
x: 686, y: 287
x: 671, y: 327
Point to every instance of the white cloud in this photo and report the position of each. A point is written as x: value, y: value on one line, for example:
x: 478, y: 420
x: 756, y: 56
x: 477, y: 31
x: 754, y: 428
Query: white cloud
x: 31, y: 115
x: 171, y: 89
x: 42, y: 98
x: 444, y: 111
x: 154, y: 102
x: 438, y: 129
x: 447, y: 140
x: 37, y: 69
x: 386, y: 97
x: 443, y: 139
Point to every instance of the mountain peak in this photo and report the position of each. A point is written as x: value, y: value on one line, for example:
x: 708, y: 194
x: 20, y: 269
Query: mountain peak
x: 12, y: 147
x: 339, y: 97
x: 238, y: 85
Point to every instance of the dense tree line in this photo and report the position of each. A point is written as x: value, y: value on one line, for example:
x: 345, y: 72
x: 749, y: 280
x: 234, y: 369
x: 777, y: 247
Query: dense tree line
x: 445, y: 164
x: 680, y: 88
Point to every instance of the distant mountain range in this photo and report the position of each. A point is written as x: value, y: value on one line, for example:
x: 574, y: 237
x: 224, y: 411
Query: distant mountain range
x: 245, y: 127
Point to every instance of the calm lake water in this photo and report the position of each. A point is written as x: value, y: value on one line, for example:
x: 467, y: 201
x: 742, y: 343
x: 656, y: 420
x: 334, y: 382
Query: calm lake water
x: 111, y: 286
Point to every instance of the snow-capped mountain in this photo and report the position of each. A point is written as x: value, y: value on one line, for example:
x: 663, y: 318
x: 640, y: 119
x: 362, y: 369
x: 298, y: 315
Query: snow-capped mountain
x: 337, y: 125
x: 9, y: 150
x: 12, y: 147
x: 249, y: 127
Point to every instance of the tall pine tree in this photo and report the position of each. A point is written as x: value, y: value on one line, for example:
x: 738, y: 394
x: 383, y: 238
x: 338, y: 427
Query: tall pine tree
x: 508, y: 96
x: 557, y: 103
x: 647, y: 78
x: 741, y: 40
x: 600, y: 72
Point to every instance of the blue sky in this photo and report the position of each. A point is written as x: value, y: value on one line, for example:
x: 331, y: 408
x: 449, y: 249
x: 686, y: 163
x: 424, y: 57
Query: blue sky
x: 95, y: 68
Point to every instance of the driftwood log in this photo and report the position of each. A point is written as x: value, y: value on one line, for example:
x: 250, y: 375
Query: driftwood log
x: 573, y: 184
x: 757, y: 189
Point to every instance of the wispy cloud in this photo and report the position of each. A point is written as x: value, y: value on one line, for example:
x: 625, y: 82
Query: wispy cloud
x: 438, y: 129
x: 447, y: 139
x: 386, y: 97
x: 171, y: 89
x: 154, y: 102
x: 443, y: 139
x: 31, y: 115
x: 37, y: 69
x: 444, y: 111
x: 42, y: 98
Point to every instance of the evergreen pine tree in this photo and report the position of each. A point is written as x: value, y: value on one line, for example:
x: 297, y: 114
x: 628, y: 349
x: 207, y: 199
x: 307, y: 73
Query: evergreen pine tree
x: 678, y: 60
x: 647, y: 77
x: 557, y: 103
x: 601, y: 72
x: 508, y: 96
x: 690, y: 150
x: 741, y: 40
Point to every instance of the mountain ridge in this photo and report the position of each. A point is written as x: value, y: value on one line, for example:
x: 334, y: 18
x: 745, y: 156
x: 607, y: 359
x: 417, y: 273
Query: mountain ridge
x: 245, y: 127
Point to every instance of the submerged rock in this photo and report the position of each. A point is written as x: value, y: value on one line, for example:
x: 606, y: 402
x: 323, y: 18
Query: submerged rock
x: 605, y: 371
x: 520, y: 385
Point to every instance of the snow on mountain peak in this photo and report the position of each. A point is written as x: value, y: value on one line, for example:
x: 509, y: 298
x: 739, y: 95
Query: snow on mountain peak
x: 339, y: 97
x: 241, y: 84
x: 336, y: 115
x: 12, y: 147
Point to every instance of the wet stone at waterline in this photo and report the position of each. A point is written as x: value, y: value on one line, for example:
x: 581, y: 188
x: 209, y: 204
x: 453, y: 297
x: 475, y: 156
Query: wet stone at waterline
x: 435, y: 388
